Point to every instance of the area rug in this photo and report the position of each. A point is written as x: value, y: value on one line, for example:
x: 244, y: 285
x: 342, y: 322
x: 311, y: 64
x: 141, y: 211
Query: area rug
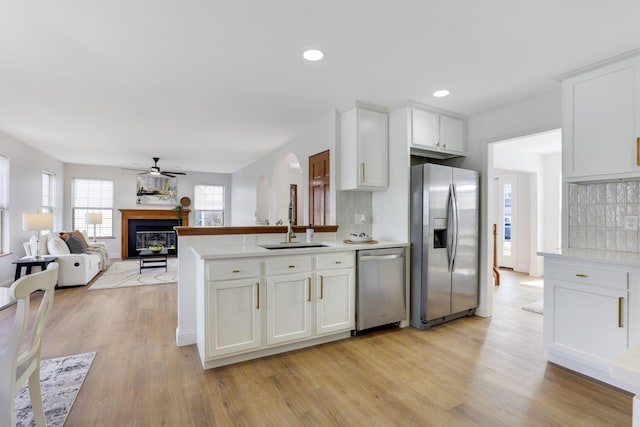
x: 535, y: 306
x: 60, y: 381
x: 124, y: 274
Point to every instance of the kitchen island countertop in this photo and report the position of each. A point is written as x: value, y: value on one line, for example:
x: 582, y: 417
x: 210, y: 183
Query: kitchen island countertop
x: 207, y: 251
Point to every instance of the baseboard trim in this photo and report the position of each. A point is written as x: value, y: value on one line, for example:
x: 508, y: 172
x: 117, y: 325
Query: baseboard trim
x: 184, y: 338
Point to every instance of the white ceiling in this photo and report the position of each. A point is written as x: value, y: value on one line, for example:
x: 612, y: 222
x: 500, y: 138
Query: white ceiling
x: 212, y: 85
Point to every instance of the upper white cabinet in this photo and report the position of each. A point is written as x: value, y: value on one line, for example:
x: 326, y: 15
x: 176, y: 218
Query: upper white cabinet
x: 364, y: 148
x: 435, y: 135
x: 600, y: 122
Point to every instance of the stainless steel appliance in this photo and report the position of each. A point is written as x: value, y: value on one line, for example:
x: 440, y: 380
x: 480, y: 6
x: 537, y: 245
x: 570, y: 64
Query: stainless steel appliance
x: 380, y: 287
x: 444, y: 244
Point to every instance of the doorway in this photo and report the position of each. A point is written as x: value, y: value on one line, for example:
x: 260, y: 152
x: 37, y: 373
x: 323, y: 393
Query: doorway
x: 524, y: 199
x: 506, y: 236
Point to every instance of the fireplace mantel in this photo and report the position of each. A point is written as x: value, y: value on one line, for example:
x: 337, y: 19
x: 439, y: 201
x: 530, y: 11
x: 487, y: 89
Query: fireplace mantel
x: 128, y: 214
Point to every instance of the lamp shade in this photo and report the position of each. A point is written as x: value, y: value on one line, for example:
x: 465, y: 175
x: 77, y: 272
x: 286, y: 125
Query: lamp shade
x: 93, y: 218
x: 37, y: 221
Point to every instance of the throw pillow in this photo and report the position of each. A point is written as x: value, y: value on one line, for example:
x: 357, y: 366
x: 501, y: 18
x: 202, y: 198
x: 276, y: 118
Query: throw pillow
x: 65, y: 235
x: 76, y: 246
x: 56, y: 245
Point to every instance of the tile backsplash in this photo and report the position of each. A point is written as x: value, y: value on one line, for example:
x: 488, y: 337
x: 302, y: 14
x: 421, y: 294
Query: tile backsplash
x: 604, y: 216
x: 348, y: 205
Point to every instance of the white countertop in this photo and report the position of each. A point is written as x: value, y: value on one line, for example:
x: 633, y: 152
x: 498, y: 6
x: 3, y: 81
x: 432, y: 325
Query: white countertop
x: 595, y: 255
x: 207, y: 251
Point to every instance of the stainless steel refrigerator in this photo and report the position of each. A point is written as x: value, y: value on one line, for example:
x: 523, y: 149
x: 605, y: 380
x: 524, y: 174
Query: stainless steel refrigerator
x: 444, y: 244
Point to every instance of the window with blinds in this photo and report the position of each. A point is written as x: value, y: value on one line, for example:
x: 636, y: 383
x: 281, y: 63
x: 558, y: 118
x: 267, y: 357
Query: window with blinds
x: 209, y: 205
x: 93, y: 195
x: 4, y: 197
x: 47, y: 192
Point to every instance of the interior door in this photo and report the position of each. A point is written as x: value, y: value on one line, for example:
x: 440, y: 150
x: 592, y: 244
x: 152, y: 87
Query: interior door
x: 506, y: 219
x: 319, y: 185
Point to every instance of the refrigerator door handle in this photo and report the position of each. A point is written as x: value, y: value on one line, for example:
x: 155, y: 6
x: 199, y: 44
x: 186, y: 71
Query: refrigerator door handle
x: 450, y: 231
x: 454, y: 203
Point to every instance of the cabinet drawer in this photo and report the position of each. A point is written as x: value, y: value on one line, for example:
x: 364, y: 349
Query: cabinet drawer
x: 235, y: 269
x: 588, y: 275
x: 336, y: 260
x: 293, y: 264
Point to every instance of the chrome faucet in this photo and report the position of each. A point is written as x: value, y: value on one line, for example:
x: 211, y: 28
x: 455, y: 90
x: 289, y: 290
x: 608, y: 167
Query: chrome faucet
x: 290, y: 234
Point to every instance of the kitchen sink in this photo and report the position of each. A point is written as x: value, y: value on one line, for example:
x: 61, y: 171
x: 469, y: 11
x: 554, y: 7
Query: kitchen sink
x: 294, y: 245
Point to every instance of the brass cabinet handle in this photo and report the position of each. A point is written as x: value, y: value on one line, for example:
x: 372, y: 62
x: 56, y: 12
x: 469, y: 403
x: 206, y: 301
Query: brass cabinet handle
x: 292, y: 266
x: 321, y: 287
x: 258, y: 294
x: 620, y: 308
x: 581, y: 275
x: 309, y: 289
x: 362, y: 173
x: 236, y: 271
x: 338, y: 262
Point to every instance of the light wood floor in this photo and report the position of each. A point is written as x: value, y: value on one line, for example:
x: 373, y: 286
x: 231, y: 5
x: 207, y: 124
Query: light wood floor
x: 470, y: 372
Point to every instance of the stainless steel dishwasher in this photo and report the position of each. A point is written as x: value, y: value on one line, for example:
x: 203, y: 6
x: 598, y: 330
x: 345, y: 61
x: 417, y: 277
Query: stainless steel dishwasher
x: 381, y: 291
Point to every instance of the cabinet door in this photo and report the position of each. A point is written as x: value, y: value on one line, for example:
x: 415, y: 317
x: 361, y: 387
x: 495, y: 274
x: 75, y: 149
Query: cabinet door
x: 599, y: 122
x: 335, y: 300
x: 289, y: 307
x: 234, y: 317
x: 373, y: 148
x: 589, y: 322
x: 424, y: 129
x: 452, y: 134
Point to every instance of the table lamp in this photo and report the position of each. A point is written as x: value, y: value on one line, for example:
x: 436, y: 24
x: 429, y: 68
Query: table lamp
x: 93, y: 218
x: 37, y: 222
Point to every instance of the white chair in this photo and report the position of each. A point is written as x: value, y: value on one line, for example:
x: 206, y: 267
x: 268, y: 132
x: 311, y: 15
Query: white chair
x: 22, y: 359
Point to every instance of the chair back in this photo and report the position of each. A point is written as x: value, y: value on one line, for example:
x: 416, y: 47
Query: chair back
x: 22, y: 355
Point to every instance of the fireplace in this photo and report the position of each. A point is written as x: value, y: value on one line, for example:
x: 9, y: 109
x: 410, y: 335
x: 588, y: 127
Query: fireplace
x: 142, y: 228
x: 146, y: 232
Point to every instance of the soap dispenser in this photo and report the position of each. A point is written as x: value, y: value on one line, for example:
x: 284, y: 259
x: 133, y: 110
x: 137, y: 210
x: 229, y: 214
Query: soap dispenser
x: 310, y: 234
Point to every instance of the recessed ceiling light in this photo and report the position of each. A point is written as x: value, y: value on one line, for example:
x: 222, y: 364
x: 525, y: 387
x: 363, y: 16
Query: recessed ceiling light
x: 313, y: 55
x: 441, y: 93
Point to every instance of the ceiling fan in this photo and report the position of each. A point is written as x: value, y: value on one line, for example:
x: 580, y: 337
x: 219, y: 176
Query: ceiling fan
x: 155, y: 170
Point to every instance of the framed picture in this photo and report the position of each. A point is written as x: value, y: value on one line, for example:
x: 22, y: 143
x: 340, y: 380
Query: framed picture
x: 156, y: 190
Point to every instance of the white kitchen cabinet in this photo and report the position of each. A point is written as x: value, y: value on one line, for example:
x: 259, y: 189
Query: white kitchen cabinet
x: 335, y: 293
x: 234, y: 316
x: 289, y: 307
x: 435, y: 135
x: 600, y: 122
x: 253, y: 307
x: 588, y: 314
x: 363, y: 148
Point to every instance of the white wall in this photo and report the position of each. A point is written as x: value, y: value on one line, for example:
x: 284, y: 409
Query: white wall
x: 529, y: 116
x: 26, y: 165
x: 244, y: 182
x: 124, y: 182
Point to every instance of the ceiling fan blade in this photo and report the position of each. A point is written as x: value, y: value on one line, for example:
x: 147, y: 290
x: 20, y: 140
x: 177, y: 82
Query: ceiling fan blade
x: 175, y: 173
x: 131, y: 169
x: 167, y: 174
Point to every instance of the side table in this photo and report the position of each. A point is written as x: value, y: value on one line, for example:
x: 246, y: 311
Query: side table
x: 149, y: 259
x: 29, y: 261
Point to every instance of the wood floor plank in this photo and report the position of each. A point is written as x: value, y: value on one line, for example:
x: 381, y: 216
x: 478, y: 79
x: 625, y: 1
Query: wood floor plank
x: 470, y: 372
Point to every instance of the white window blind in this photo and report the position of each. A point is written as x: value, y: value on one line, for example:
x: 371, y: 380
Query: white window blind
x: 4, y: 196
x: 93, y: 195
x: 47, y: 192
x: 4, y: 182
x: 209, y: 205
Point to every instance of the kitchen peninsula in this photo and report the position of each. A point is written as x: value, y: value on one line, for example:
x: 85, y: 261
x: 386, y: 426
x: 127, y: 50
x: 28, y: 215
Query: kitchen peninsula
x: 591, y: 309
x: 238, y: 300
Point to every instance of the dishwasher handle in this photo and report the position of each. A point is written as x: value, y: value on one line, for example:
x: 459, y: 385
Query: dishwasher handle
x: 379, y: 257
